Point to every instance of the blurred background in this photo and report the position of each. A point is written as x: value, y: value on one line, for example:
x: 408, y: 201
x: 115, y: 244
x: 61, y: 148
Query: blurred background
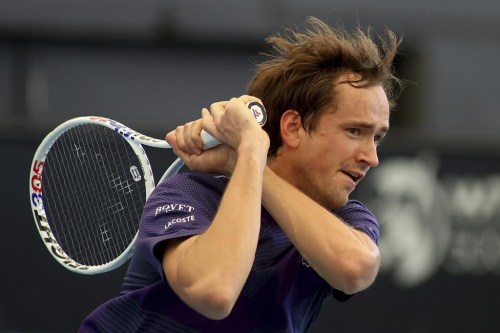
x: 154, y: 64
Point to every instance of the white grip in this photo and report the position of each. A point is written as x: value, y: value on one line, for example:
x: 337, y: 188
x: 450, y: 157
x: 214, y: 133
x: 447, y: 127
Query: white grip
x: 259, y: 113
x: 208, y: 140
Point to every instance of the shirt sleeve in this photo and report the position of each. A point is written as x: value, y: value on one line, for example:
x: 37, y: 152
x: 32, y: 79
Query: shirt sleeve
x: 357, y: 215
x: 183, y: 205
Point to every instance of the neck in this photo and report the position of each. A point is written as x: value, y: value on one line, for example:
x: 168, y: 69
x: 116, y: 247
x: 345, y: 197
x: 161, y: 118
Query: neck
x: 281, y: 166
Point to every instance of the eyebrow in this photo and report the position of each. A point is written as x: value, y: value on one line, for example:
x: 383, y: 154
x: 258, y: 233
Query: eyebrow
x: 367, y: 125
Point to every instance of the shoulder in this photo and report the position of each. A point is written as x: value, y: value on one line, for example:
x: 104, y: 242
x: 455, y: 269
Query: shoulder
x: 192, y: 182
x: 352, y: 208
x: 200, y: 192
x: 358, y: 216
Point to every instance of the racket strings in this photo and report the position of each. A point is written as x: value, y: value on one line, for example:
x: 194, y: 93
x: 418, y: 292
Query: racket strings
x: 100, y: 193
x: 124, y: 187
x: 68, y: 234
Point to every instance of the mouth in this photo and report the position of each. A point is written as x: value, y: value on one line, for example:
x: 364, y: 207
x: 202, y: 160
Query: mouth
x: 355, y: 176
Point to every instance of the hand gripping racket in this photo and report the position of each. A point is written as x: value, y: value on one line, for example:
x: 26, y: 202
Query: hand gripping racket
x: 89, y: 181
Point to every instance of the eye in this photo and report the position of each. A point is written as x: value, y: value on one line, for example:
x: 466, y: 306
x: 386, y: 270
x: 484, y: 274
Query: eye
x: 378, y: 140
x: 354, y: 131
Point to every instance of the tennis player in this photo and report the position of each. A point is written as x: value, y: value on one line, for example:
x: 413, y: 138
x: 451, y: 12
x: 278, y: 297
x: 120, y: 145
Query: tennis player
x: 263, y: 232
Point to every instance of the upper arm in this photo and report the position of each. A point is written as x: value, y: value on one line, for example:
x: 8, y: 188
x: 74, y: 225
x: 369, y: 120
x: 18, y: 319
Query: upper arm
x: 173, y: 252
x: 373, y: 249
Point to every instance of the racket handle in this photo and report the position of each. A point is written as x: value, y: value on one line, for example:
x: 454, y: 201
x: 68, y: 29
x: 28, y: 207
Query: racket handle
x: 259, y: 113
x: 208, y: 140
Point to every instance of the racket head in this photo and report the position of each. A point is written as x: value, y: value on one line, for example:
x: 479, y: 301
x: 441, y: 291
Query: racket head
x: 87, y: 204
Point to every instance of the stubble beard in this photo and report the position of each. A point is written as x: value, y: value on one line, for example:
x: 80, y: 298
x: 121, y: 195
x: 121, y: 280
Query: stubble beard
x: 327, y: 194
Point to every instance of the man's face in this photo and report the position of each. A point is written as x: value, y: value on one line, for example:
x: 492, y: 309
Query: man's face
x: 334, y: 158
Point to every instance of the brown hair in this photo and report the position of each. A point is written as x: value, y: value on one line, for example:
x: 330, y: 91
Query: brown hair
x: 303, y: 68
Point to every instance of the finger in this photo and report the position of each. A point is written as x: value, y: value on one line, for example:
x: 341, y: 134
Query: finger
x: 217, y: 110
x: 191, y: 132
x: 208, y: 122
x: 170, y: 138
x: 179, y: 137
x: 195, y: 136
x: 183, y: 139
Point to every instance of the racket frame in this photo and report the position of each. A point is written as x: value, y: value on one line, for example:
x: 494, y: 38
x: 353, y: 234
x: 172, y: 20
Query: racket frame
x: 134, y: 139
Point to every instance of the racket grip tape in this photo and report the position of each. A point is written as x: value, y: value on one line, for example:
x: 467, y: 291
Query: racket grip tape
x: 259, y: 113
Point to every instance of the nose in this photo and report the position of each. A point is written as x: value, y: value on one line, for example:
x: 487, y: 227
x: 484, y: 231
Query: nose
x: 368, y: 154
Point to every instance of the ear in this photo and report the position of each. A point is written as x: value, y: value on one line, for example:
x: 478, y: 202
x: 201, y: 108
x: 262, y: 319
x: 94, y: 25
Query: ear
x: 290, y: 128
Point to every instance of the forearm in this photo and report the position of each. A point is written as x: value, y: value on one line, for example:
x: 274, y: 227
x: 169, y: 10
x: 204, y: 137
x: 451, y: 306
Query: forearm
x: 346, y: 258
x: 213, y: 267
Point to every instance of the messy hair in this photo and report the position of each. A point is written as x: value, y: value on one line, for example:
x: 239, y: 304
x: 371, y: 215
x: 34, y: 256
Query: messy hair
x: 303, y: 67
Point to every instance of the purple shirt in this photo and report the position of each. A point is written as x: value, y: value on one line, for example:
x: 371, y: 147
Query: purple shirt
x: 282, y: 293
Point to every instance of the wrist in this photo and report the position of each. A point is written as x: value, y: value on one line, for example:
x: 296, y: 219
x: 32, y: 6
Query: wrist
x: 254, y: 147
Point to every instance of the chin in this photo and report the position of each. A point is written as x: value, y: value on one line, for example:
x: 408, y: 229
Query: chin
x: 337, y: 202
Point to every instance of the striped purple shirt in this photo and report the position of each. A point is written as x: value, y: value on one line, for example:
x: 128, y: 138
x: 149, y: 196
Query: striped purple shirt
x: 282, y: 293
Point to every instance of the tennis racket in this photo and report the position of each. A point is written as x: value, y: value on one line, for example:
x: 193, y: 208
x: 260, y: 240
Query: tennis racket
x: 89, y: 181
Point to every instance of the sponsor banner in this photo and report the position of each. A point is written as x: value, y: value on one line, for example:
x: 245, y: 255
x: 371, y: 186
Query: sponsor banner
x: 438, y: 212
